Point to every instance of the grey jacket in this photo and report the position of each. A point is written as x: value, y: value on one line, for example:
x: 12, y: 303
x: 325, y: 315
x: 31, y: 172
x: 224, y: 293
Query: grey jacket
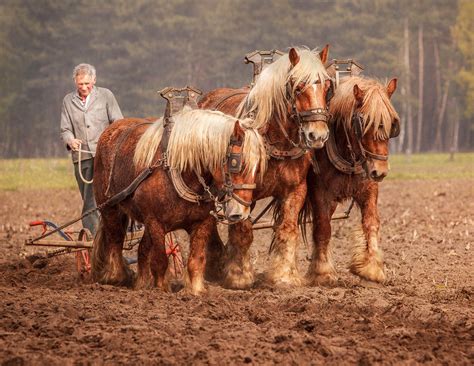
x: 87, y: 124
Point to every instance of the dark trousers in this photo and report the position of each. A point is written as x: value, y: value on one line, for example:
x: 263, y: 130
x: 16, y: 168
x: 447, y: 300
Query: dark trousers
x: 91, y: 221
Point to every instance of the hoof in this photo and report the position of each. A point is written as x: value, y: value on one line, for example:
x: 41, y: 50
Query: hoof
x: 144, y: 283
x: 195, y: 289
x: 237, y: 279
x: 124, y: 278
x: 323, y: 279
x: 371, y: 271
x: 293, y: 280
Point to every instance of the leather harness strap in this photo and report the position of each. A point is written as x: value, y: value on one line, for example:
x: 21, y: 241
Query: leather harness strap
x: 227, y: 97
x: 337, y: 160
x: 294, y: 153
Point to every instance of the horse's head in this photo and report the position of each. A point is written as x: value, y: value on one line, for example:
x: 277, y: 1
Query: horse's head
x: 235, y: 180
x: 308, y: 85
x: 374, y: 122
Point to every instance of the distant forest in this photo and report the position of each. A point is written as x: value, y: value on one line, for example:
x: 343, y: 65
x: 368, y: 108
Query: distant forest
x: 141, y: 46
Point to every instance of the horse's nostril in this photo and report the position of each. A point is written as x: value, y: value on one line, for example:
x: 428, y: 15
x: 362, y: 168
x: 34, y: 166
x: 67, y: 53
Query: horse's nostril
x: 235, y: 217
x: 311, y: 136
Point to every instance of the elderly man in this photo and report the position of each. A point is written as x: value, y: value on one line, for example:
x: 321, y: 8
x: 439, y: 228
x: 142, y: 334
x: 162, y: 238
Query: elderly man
x: 85, y: 114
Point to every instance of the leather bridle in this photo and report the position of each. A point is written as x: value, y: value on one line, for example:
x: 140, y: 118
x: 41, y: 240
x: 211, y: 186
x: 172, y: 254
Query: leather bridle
x: 221, y: 196
x: 308, y: 116
x: 357, y: 121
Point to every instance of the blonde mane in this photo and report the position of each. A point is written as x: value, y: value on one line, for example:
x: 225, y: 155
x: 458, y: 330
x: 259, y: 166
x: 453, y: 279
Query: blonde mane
x: 199, y: 141
x: 268, y: 98
x: 376, y: 108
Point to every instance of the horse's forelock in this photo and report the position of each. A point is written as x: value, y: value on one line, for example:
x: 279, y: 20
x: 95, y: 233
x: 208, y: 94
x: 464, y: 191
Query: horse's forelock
x: 376, y: 107
x: 200, y: 139
x: 268, y: 96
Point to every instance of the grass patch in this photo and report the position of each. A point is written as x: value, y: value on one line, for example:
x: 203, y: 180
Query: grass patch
x: 27, y: 174
x: 431, y: 166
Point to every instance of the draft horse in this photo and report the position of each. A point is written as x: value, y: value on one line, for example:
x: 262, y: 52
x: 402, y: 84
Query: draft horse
x: 200, y: 147
x: 288, y: 105
x: 354, y: 161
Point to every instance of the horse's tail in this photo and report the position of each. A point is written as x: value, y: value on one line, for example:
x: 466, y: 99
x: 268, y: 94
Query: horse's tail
x: 305, y: 216
x: 98, y: 254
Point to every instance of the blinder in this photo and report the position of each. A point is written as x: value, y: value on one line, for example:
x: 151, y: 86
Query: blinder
x: 357, y: 125
x: 395, y: 130
x: 234, y: 160
x: 330, y: 92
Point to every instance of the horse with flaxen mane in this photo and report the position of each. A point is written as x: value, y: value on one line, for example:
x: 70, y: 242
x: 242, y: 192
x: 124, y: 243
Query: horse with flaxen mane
x: 354, y: 160
x: 199, y: 149
x: 288, y: 105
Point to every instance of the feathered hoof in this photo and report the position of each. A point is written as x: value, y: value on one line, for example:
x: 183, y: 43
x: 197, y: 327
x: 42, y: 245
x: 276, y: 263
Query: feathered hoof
x: 372, y: 270
x: 237, y: 279
x: 144, y: 282
x: 123, y: 278
x: 321, y: 279
x: 285, y: 280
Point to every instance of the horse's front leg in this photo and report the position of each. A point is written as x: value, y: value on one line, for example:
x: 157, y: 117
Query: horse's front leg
x: 238, y: 271
x: 199, y: 237
x: 282, y: 268
x: 152, y: 259
x: 215, y: 252
x: 321, y: 268
x: 367, y: 261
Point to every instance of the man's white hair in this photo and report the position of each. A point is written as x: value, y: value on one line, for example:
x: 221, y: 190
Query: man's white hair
x: 83, y: 69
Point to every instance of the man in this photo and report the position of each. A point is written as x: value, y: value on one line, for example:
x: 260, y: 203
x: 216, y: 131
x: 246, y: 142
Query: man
x: 85, y: 114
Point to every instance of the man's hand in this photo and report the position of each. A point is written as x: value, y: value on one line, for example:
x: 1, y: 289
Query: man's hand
x: 75, y: 144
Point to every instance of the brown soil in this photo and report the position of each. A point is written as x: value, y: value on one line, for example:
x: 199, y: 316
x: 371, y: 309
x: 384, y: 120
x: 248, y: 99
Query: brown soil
x: 423, y: 314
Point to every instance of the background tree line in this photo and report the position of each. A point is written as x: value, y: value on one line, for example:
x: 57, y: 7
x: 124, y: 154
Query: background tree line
x: 141, y: 46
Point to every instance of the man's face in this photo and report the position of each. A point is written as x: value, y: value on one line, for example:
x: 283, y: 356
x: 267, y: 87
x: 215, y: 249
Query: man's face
x: 84, y: 84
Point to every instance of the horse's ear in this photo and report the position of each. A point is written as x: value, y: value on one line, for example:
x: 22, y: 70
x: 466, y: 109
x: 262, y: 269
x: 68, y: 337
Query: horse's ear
x: 359, y: 95
x: 238, y: 131
x: 391, y: 87
x: 294, y: 57
x: 323, y: 55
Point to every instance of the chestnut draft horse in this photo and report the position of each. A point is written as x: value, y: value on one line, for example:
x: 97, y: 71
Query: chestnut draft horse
x: 217, y: 160
x: 288, y: 104
x: 354, y: 160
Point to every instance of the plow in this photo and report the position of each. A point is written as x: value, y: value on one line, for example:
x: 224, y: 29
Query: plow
x: 80, y: 242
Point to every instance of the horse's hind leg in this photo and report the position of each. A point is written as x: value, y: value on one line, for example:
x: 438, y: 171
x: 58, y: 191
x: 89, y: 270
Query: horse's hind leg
x: 108, y: 265
x: 152, y: 259
x: 238, y: 271
x: 283, y: 268
x: 367, y: 261
x: 321, y: 269
x: 199, y: 237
